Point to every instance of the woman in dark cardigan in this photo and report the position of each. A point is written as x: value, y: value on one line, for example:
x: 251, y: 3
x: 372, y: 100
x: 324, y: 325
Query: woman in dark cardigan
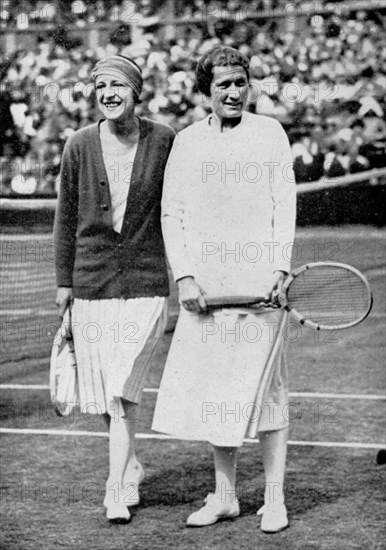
x: 110, y: 263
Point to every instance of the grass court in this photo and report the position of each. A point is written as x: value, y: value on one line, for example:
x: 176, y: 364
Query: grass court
x: 54, y: 469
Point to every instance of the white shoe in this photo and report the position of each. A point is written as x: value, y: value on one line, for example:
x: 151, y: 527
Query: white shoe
x: 274, y: 517
x: 131, y: 481
x: 213, y: 511
x: 116, y: 500
x: 116, y: 509
x: 117, y: 513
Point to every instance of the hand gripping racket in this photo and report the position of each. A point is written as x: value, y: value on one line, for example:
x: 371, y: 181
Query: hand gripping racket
x: 320, y: 295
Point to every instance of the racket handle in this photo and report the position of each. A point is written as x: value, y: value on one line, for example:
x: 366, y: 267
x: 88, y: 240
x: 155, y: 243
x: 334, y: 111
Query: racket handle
x: 278, y: 299
x: 252, y: 302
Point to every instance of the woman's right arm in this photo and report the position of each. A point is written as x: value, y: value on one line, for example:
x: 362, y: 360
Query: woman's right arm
x: 63, y: 299
x: 174, y: 203
x: 65, y: 226
x: 173, y: 210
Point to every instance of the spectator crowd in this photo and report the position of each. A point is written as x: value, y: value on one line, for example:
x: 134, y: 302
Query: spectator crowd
x: 323, y: 79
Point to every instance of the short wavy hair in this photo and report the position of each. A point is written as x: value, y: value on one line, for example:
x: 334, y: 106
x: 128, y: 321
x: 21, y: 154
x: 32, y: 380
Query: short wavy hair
x: 220, y: 56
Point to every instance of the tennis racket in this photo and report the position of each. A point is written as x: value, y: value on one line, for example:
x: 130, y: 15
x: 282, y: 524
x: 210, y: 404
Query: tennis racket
x: 320, y: 295
x: 63, y: 370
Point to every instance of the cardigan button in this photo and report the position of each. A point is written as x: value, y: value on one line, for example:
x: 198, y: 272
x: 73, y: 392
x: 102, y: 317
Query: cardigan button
x: 102, y: 182
x: 104, y: 207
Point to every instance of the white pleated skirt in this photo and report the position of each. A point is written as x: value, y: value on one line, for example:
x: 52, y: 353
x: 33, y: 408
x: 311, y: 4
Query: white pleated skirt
x: 225, y: 378
x: 114, y: 342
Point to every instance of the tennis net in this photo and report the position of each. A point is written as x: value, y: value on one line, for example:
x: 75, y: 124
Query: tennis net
x: 28, y: 316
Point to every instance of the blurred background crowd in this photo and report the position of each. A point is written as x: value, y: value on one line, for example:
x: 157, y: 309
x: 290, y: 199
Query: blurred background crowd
x: 321, y: 74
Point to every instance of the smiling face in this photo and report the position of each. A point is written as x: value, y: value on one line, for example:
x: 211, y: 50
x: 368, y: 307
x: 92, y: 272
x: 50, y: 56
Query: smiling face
x: 115, y: 99
x: 229, y: 91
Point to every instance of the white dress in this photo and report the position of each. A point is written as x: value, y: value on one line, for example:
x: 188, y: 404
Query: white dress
x: 229, y: 210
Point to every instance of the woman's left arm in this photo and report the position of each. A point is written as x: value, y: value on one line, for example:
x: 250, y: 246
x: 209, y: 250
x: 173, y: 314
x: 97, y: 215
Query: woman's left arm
x: 283, y: 189
x: 283, y: 192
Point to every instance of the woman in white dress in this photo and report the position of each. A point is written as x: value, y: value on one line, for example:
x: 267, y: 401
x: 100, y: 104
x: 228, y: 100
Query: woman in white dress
x: 228, y: 222
x: 110, y: 263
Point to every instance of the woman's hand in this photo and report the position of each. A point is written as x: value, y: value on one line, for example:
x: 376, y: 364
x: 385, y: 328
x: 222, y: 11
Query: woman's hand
x: 277, y: 288
x: 63, y: 299
x: 191, y: 295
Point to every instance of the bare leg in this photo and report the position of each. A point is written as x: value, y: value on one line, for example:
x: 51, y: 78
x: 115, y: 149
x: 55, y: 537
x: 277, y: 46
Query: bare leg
x: 274, y: 446
x: 225, y: 462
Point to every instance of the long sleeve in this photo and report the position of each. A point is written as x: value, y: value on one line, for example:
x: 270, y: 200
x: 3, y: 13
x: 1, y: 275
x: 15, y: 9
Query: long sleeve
x: 66, y: 217
x: 228, y: 198
x: 173, y: 211
x: 283, y: 190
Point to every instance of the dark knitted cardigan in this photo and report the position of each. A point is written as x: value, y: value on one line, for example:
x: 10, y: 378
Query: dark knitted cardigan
x: 92, y: 258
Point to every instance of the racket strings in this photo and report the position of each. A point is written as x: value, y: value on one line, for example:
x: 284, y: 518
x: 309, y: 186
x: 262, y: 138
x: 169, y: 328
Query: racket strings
x: 329, y: 295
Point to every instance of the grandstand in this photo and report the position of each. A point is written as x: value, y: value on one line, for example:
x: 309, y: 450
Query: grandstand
x: 317, y: 67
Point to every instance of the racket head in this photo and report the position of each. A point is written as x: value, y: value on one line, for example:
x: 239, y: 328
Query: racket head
x: 327, y: 296
x: 63, y: 373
